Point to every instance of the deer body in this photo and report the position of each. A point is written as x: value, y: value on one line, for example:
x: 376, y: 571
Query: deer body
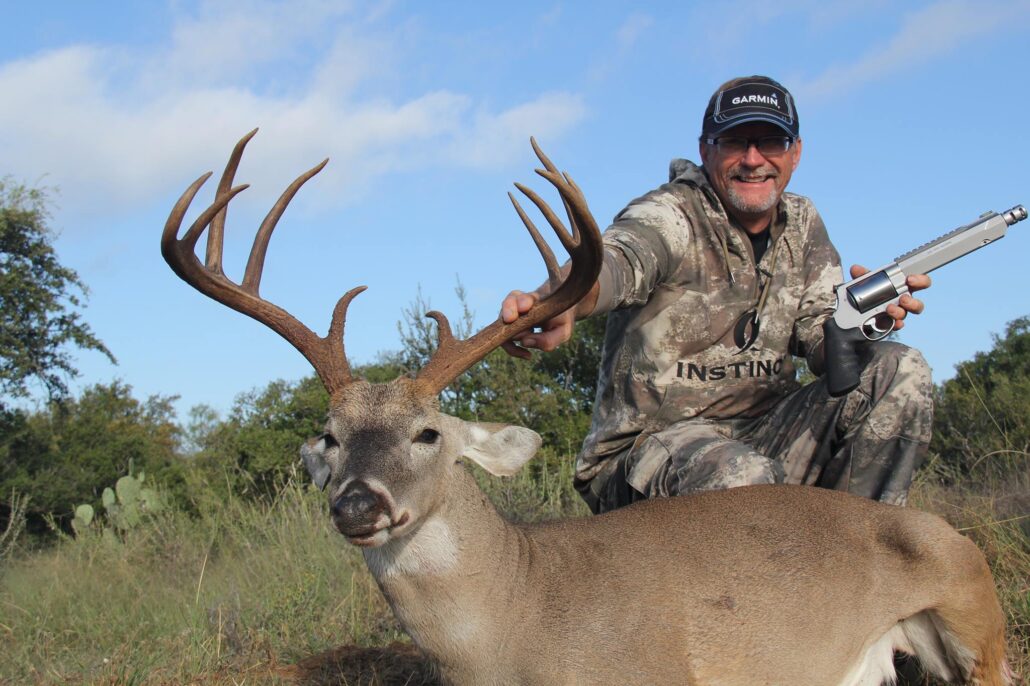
x: 760, y: 585
x: 783, y: 585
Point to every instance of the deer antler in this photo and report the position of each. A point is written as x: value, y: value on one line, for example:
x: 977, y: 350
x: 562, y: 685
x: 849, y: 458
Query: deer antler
x: 583, y: 244
x: 326, y: 354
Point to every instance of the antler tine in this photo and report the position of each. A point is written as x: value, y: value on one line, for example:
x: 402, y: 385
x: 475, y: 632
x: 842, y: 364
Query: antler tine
x: 326, y: 354
x: 567, y: 239
x: 444, y: 336
x: 551, y: 167
x: 171, y: 231
x: 553, y: 271
x: 336, y: 359
x: 201, y: 222
x: 544, y: 159
x: 216, y: 236
x: 584, y: 245
x: 256, y: 262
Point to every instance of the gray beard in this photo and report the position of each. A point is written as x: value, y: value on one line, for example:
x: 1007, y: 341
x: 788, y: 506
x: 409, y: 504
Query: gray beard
x: 751, y: 207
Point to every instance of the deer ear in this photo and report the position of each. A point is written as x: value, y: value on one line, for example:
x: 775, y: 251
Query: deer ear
x: 313, y: 454
x: 499, y: 448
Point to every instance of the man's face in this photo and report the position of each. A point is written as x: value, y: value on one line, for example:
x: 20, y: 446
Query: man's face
x: 750, y: 183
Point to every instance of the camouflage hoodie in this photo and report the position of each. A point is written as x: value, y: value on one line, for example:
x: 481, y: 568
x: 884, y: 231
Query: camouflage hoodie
x: 681, y: 287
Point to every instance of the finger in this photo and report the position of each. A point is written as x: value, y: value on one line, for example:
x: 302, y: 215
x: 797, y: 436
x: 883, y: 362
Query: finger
x: 917, y: 282
x: 910, y: 304
x: 857, y: 270
x: 515, y: 351
x: 548, y: 340
x: 510, y: 307
x: 555, y: 332
x: 896, y: 312
x: 516, y: 304
x: 526, y: 301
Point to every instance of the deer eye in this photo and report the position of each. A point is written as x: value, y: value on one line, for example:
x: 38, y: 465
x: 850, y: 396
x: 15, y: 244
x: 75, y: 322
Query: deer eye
x: 427, y: 436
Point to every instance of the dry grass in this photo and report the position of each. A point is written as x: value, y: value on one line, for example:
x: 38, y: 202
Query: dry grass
x: 992, y: 507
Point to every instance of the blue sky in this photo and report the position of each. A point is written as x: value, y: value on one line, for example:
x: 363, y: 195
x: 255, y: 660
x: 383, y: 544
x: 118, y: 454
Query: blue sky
x: 914, y: 119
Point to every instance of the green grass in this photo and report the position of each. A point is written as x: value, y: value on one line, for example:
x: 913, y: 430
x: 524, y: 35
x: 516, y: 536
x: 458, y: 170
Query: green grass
x: 262, y: 592
x: 250, y: 585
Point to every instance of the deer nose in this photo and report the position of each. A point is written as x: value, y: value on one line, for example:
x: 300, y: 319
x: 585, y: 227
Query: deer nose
x: 358, y: 503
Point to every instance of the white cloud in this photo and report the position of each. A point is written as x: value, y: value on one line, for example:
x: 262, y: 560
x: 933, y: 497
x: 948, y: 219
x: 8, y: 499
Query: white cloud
x: 505, y: 135
x: 627, y: 35
x: 632, y: 29
x: 114, y: 128
x: 935, y: 30
x: 228, y: 39
x: 824, y: 15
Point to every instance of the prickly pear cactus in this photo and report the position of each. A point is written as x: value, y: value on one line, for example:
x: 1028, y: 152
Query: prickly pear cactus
x: 83, y: 518
x: 126, y: 514
x: 127, y: 488
x: 126, y: 503
x: 149, y: 500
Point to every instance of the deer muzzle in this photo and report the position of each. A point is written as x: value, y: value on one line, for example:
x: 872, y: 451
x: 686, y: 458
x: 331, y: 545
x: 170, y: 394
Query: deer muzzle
x: 364, y: 514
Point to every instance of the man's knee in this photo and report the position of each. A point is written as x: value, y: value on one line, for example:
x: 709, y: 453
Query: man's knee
x: 721, y: 465
x: 899, y: 365
x: 898, y: 375
x: 882, y: 428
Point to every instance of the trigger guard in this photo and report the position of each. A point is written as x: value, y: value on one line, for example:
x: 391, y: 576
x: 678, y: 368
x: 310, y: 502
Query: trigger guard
x: 873, y: 332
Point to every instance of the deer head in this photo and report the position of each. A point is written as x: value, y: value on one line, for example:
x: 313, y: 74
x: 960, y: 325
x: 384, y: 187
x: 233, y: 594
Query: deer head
x: 387, y: 451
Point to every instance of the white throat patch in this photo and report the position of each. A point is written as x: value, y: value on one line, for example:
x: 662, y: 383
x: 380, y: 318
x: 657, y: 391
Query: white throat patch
x: 429, y: 551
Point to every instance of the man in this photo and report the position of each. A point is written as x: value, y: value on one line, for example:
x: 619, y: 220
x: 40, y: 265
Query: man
x: 711, y: 283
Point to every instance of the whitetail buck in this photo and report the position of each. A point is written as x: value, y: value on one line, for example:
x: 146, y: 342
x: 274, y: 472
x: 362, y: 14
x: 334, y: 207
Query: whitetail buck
x: 784, y: 585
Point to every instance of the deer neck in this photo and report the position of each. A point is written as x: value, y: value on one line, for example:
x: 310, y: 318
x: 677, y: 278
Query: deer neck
x: 454, y: 582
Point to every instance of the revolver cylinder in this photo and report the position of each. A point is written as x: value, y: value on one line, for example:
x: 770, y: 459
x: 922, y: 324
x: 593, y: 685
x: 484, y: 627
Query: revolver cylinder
x: 879, y: 288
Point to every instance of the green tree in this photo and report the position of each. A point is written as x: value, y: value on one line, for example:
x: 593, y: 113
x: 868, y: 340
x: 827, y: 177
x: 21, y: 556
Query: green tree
x: 203, y: 421
x: 257, y: 447
x: 983, y: 413
x: 39, y: 299
x: 387, y: 367
x: 69, y: 452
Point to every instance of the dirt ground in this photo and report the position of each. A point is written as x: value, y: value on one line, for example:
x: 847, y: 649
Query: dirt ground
x: 397, y: 664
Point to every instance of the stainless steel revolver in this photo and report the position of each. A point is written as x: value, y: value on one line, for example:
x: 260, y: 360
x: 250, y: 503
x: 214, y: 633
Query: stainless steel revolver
x: 862, y: 303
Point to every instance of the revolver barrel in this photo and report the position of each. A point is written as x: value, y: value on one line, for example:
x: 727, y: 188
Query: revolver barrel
x: 1016, y: 214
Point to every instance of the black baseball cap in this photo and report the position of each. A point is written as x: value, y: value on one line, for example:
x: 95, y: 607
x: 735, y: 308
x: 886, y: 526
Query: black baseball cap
x: 749, y: 99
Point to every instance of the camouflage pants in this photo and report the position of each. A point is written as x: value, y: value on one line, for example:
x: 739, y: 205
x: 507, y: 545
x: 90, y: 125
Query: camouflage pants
x: 869, y: 442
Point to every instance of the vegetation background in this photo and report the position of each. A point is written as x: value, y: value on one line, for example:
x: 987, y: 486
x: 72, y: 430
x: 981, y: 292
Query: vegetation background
x: 231, y: 573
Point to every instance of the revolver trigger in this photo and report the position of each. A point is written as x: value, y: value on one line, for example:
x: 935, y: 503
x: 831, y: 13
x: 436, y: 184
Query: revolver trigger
x: 877, y: 326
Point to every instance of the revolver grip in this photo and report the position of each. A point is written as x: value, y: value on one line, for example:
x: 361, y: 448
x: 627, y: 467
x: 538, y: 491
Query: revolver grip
x: 844, y: 357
